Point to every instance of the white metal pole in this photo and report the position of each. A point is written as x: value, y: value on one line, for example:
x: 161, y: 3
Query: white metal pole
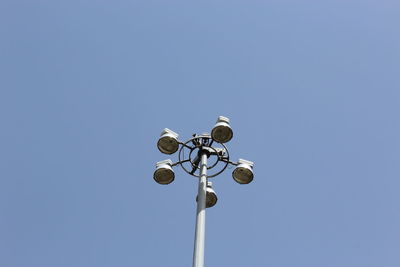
x: 198, y: 253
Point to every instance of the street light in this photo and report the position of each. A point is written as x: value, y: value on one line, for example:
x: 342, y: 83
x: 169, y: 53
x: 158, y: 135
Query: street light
x: 193, y: 156
x: 168, y: 142
x: 211, y: 197
x: 164, y: 173
x: 222, y: 131
x: 243, y: 173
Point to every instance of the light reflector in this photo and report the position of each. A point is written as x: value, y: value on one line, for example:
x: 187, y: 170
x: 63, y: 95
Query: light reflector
x: 243, y: 173
x: 168, y: 142
x: 211, y: 197
x: 222, y: 131
x: 164, y: 174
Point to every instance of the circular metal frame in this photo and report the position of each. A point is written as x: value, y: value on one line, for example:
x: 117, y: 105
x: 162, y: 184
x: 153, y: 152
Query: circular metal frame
x: 200, y: 146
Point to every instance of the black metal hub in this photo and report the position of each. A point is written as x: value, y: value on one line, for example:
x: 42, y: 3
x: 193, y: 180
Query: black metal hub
x: 191, y: 151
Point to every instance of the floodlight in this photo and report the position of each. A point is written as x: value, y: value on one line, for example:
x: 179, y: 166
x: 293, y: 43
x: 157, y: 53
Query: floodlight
x: 168, y: 142
x: 193, y: 155
x: 243, y: 173
x: 164, y: 173
x: 222, y: 131
x: 211, y: 197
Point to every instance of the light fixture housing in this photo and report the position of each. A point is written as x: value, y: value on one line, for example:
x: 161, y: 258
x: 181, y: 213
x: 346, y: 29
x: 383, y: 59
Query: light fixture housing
x: 164, y: 174
x: 168, y: 142
x: 243, y: 173
x: 211, y: 197
x: 222, y: 131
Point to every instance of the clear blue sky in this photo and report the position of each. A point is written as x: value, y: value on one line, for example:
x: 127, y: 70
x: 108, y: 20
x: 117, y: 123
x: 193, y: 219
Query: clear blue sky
x: 313, y: 93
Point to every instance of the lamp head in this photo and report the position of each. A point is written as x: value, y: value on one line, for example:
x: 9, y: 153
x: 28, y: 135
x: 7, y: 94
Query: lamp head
x: 168, y: 142
x: 243, y: 173
x: 211, y: 197
x: 222, y: 131
x: 164, y: 174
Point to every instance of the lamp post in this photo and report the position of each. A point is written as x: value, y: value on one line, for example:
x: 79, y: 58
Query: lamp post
x: 193, y: 157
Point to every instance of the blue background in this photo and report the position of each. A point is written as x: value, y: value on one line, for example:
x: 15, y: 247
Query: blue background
x: 313, y: 93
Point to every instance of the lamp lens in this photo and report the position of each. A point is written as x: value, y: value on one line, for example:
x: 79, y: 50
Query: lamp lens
x: 222, y: 134
x: 243, y: 175
x: 167, y: 145
x: 211, y: 200
x: 164, y: 176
